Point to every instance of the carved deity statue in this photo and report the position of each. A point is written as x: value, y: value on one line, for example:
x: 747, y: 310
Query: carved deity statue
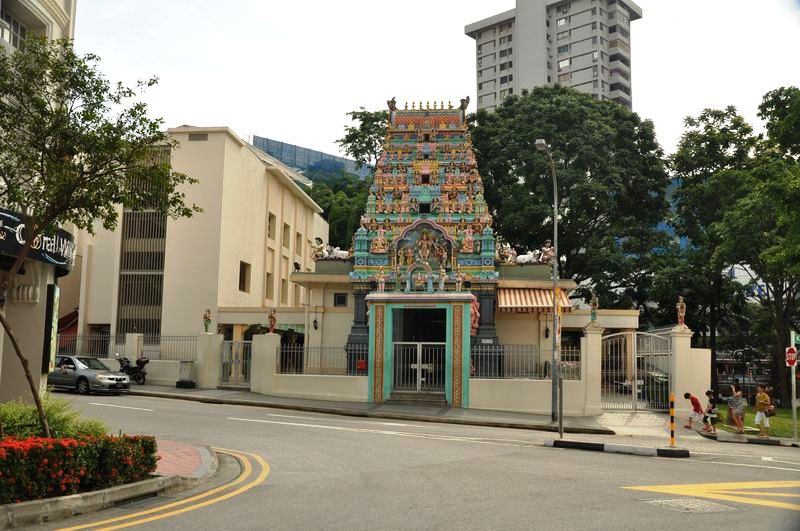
x: 272, y: 319
x: 379, y: 243
x: 594, y: 304
x: 548, y: 253
x: 442, y: 277
x: 424, y: 246
x: 317, y: 249
x: 474, y: 316
x: 381, y: 278
x: 207, y: 320
x: 468, y: 244
x: 681, y: 307
x: 459, y: 279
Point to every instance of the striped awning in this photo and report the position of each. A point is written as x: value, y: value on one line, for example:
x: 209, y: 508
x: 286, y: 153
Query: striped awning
x: 530, y: 300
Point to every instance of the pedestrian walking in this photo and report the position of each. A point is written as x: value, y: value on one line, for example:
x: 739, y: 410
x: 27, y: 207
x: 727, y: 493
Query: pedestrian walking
x: 762, y: 406
x: 697, y: 410
x: 736, y: 405
x: 710, y: 418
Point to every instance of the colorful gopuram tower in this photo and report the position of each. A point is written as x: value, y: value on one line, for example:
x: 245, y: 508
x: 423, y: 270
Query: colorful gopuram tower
x: 426, y: 229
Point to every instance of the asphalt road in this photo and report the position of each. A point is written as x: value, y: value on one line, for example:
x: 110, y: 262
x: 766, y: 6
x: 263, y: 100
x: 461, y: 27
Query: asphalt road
x: 330, y: 472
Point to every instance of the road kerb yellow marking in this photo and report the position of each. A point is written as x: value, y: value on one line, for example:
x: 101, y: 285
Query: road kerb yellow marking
x: 771, y: 494
x: 262, y: 476
x: 730, y: 492
x: 247, y: 471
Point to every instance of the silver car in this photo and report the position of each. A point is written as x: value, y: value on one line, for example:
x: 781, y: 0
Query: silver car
x: 86, y: 375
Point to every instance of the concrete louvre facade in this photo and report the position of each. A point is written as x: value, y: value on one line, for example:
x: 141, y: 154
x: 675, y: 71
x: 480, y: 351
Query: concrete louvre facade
x: 27, y: 307
x: 583, y: 44
x: 234, y: 258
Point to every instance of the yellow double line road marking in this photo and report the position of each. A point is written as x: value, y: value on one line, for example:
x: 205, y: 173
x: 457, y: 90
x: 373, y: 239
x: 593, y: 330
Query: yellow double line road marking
x: 189, y: 504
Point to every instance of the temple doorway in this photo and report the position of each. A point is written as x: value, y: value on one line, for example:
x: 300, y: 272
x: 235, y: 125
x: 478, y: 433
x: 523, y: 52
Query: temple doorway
x: 419, y: 339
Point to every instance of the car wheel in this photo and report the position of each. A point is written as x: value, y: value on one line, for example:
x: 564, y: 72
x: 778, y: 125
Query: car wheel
x: 82, y: 386
x: 138, y: 378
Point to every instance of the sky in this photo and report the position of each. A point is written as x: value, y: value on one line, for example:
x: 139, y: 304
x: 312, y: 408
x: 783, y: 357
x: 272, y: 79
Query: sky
x: 291, y: 70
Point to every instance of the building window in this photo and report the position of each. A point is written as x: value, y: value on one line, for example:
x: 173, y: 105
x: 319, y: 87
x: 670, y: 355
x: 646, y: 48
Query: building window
x: 564, y: 63
x: 594, y: 55
x: 563, y: 49
x: 340, y: 300
x: 198, y: 137
x: 510, y: 38
x: 284, y: 291
x: 15, y: 33
x: 506, y: 66
x: 244, y: 277
x: 270, y: 280
x: 562, y: 35
x: 298, y: 244
x: 594, y: 71
x: 561, y: 22
x: 563, y: 8
x: 506, y: 52
x: 271, y: 226
x: 287, y: 231
x: 564, y: 77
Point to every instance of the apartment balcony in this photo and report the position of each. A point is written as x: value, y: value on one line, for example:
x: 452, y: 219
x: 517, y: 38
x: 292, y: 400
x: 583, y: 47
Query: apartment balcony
x: 619, y: 64
x: 617, y: 77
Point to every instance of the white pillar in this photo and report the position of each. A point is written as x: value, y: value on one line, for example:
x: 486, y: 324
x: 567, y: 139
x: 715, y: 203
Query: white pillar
x: 690, y: 370
x: 591, y: 364
x: 263, y: 363
x: 208, y: 360
x: 133, y: 346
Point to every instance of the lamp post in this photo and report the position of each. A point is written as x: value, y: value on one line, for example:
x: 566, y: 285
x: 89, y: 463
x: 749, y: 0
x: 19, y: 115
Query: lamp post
x: 541, y: 145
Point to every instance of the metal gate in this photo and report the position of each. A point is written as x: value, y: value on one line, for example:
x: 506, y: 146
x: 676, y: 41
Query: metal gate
x: 419, y: 367
x: 235, y: 370
x: 635, y: 371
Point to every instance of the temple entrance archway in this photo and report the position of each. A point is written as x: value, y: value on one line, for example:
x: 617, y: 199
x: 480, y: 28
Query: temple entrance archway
x: 419, y: 342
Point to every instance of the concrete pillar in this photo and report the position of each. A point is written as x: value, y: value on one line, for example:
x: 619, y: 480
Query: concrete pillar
x: 133, y: 346
x: 689, y: 373
x: 630, y: 353
x: 263, y: 363
x: 591, y: 362
x: 208, y: 360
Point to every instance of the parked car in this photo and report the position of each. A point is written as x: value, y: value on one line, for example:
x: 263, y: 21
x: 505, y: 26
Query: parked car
x: 87, y: 375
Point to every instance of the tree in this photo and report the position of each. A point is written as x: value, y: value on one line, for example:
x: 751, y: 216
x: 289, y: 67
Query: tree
x: 611, y: 185
x: 760, y: 230
x: 72, y: 147
x: 364, y: 142
x: 715, y: 141
x: 343, y: 198
x: 780, y: 108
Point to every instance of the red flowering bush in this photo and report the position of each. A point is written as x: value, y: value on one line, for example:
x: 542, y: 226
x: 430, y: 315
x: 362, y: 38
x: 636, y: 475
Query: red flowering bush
x: 37, y: 467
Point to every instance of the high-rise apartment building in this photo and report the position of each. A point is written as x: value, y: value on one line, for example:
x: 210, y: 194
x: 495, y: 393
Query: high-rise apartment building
x: 583, y: 44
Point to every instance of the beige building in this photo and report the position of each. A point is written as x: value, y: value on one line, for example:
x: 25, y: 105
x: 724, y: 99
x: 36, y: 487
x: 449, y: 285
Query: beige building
x: 33, y: 296
x: 156, y: 276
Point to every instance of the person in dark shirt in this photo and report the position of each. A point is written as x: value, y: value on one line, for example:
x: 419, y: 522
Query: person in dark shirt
x: 697, y: 410
x: 710, y: 418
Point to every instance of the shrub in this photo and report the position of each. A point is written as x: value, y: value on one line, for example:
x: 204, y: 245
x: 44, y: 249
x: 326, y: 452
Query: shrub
x: 21, y: 420
x: 37, y: 467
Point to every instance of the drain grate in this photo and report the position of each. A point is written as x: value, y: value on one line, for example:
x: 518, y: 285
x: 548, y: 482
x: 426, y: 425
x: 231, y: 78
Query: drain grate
x: 690, y: 505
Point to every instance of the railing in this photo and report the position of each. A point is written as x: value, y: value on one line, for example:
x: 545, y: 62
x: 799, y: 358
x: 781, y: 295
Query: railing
x: 174, y: 348
x: 235, y: 369
x: 93, y: 345
x: 350, y: 359
x: 522, y: 362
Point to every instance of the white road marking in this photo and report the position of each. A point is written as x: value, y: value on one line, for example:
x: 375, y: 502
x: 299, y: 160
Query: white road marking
x: 476, y: 440
x: 294, y: 417
x: 331, y: 419
x: 121, y: 407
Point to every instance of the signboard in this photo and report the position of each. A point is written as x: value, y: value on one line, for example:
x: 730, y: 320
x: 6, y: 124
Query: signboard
x: 791, y: 356
x: 56, y: 249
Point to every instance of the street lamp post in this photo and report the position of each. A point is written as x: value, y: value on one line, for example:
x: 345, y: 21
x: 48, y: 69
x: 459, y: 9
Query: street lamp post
x: 541, y: 145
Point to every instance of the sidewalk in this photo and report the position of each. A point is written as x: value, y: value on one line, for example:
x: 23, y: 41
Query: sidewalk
x: 185, y: 460
x: 448, y: 415
x: 724, y: 436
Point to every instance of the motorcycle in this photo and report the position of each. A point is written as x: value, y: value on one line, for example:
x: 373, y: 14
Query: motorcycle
x: 136, y: 372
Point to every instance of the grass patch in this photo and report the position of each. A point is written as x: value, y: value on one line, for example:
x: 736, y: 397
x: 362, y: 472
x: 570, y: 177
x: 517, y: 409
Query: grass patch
x: 779, y: 426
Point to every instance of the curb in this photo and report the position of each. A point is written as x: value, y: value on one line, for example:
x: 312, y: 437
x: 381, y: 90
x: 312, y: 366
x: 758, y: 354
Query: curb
x: 52, y: 509
x: 617, y: 448
x: 731, y: 438
x: 372, y: 414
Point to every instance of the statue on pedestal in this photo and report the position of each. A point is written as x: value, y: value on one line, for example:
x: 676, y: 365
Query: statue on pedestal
x: 548, y: 253
x: 317, y: 249
x: 207, y: 320
x: 442, y: 277
x: 474, y: 316
x: 594, y: 304
x: 459, y: 279
x: 681, y: 307
x: 272, y: 320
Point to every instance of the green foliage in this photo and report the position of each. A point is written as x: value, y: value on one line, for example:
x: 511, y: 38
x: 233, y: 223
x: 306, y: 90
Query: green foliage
x: 364, y: 141
x: 611, y: 185
x: 37, y: 467
x: 73, y: 146
x: 21, y: 420
x: 343, y: 198
x: 780, y: 108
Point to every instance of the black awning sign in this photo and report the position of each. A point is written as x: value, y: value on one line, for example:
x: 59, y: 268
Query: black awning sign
x: 56, y: 249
